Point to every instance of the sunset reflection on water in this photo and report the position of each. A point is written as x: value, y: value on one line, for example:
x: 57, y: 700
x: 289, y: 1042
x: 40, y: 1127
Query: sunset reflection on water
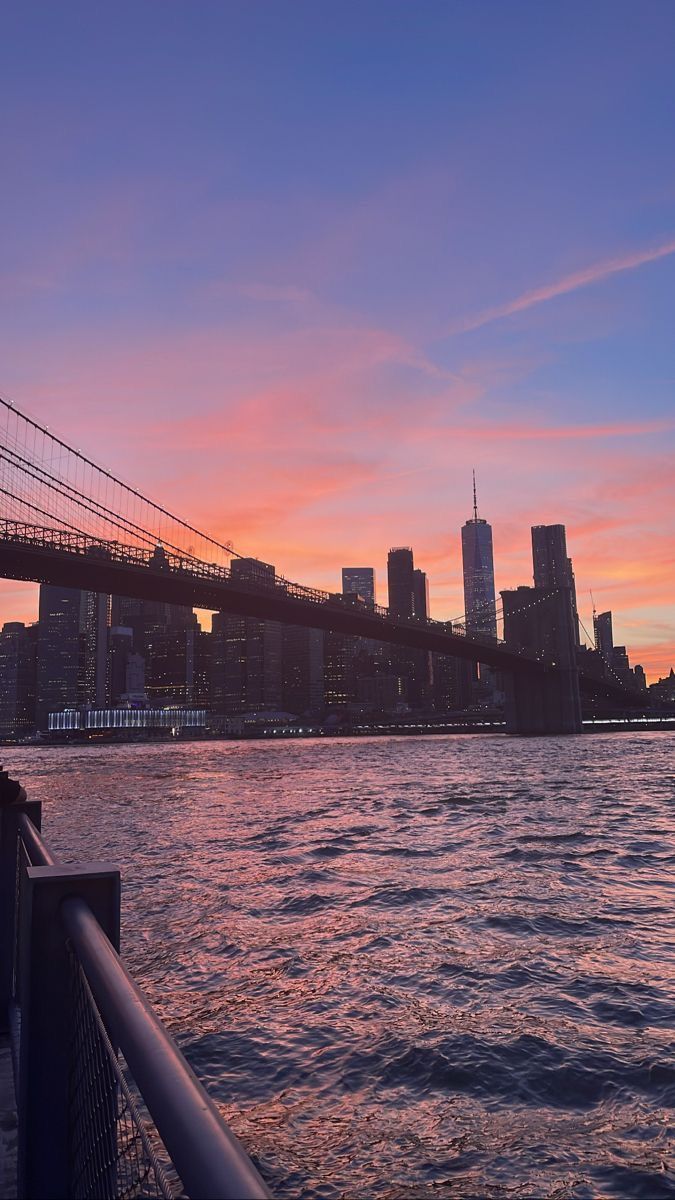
x: 404, y: 967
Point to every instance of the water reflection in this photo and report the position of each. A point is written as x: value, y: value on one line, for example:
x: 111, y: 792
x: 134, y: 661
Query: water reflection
x: 405, y: 968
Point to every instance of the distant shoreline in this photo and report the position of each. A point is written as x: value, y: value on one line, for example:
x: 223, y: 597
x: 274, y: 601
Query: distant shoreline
x: 665, y: 723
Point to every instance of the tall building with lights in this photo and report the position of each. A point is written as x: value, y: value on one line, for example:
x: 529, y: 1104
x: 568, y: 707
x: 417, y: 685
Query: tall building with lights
x: 604, y: 638
x: 359, y: 581
x: 58, y: 651
x: 479, y: 574
x: 17, y: 676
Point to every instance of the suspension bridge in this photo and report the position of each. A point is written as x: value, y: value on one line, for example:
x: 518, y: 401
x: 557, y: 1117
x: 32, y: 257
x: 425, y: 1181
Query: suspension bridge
x: 65, y: 520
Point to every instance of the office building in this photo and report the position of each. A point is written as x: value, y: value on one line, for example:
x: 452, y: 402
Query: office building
x: 93, y: 665
x: 246, y: 653
x: 401, y: 582
x: 18, y: 646
x: 540, y: 622
x: 602, y: 631
x: 551, y: 565
x: 420, y: 594
x: 58, y: 651
x: 302, y: 670
x: 339, y: 669
x: 201, y: 678
x: 479, y: 574
x: 359, y: 581
x: 409, y: 597
x: 163, y: 636
x: 452, y: 681
x: 120, y: 650
x: 621, y: 668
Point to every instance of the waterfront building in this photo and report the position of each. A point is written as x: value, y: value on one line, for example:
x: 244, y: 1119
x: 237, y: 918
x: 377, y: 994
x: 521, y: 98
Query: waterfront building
x: 78, y: 720
x: 359, y: 581
x: 18, y: 645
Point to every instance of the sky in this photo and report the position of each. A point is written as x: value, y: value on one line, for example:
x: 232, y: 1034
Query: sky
x: 294, y: 269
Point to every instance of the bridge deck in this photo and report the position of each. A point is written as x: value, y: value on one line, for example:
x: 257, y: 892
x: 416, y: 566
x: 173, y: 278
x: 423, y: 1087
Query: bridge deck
x: 72, y: 560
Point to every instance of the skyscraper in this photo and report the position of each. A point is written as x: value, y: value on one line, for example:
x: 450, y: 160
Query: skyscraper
x: 604, y: 638
x: 551, y: 564
x: 302, y: 669
x: 479, y: 574
x: 58, y: 651
x: 72, y: 650
x: 17, y: 678
x: 549, y: 556
x: 420, y: 594
x: 540, y: 621
x: 401, y: 581
x: 163, y: 635
x: 94, y: 611
x: 408, y: 597
x: 246, y: 652
x: 360, y: 581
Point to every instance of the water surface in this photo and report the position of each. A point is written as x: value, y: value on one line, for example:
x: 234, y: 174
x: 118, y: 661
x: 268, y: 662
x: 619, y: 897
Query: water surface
x: 404, y: 967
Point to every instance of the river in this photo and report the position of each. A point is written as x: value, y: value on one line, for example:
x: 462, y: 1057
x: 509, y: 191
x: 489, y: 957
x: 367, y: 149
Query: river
x: 405, y: 967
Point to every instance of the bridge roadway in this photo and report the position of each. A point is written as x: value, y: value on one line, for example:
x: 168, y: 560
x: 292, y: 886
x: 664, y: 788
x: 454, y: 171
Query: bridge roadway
x: 53, y: 556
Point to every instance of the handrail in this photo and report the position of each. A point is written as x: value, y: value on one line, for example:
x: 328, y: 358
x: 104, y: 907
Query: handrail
x: 38, y: 851
x: 209, y: 1159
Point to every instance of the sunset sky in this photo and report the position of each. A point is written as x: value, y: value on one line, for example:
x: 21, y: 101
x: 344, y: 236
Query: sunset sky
x: 295, y: 268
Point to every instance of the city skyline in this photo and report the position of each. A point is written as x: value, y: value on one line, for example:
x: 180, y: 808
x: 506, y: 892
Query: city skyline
x: 236, y: 278
x: 347, y: 575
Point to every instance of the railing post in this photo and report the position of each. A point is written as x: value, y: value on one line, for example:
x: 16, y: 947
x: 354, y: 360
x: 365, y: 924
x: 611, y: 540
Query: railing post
x: 44, y: 1066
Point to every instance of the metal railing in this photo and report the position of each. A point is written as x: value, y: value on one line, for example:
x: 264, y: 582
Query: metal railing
x: 108, y: 1108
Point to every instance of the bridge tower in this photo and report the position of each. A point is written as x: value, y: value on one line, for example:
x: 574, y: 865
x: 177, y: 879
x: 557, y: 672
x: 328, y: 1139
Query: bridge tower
x: 541, y: 621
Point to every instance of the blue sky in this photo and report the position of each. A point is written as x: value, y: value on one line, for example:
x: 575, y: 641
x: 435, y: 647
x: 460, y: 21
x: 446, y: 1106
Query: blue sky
x: 300, y: 267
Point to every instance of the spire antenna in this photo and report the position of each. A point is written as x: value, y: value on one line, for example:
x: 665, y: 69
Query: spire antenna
x: 475, y: 505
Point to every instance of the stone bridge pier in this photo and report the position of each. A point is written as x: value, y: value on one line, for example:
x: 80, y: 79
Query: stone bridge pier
x: 541, y: 622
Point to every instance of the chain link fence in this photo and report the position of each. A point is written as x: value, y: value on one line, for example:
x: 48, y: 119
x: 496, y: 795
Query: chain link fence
x: 115, y: 1150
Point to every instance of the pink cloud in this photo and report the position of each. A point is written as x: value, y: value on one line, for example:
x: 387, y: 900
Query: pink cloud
x: 299, y: 448
x: 561, y: 287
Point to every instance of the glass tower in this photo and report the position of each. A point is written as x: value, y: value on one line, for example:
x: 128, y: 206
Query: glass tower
x: 479, y: 574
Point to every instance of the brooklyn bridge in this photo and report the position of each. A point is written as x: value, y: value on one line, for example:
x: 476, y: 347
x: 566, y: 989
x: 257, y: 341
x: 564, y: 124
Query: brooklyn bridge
x: 65, y: 520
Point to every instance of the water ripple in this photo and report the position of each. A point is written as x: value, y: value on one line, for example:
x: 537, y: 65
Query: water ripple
x: 405, y: 969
